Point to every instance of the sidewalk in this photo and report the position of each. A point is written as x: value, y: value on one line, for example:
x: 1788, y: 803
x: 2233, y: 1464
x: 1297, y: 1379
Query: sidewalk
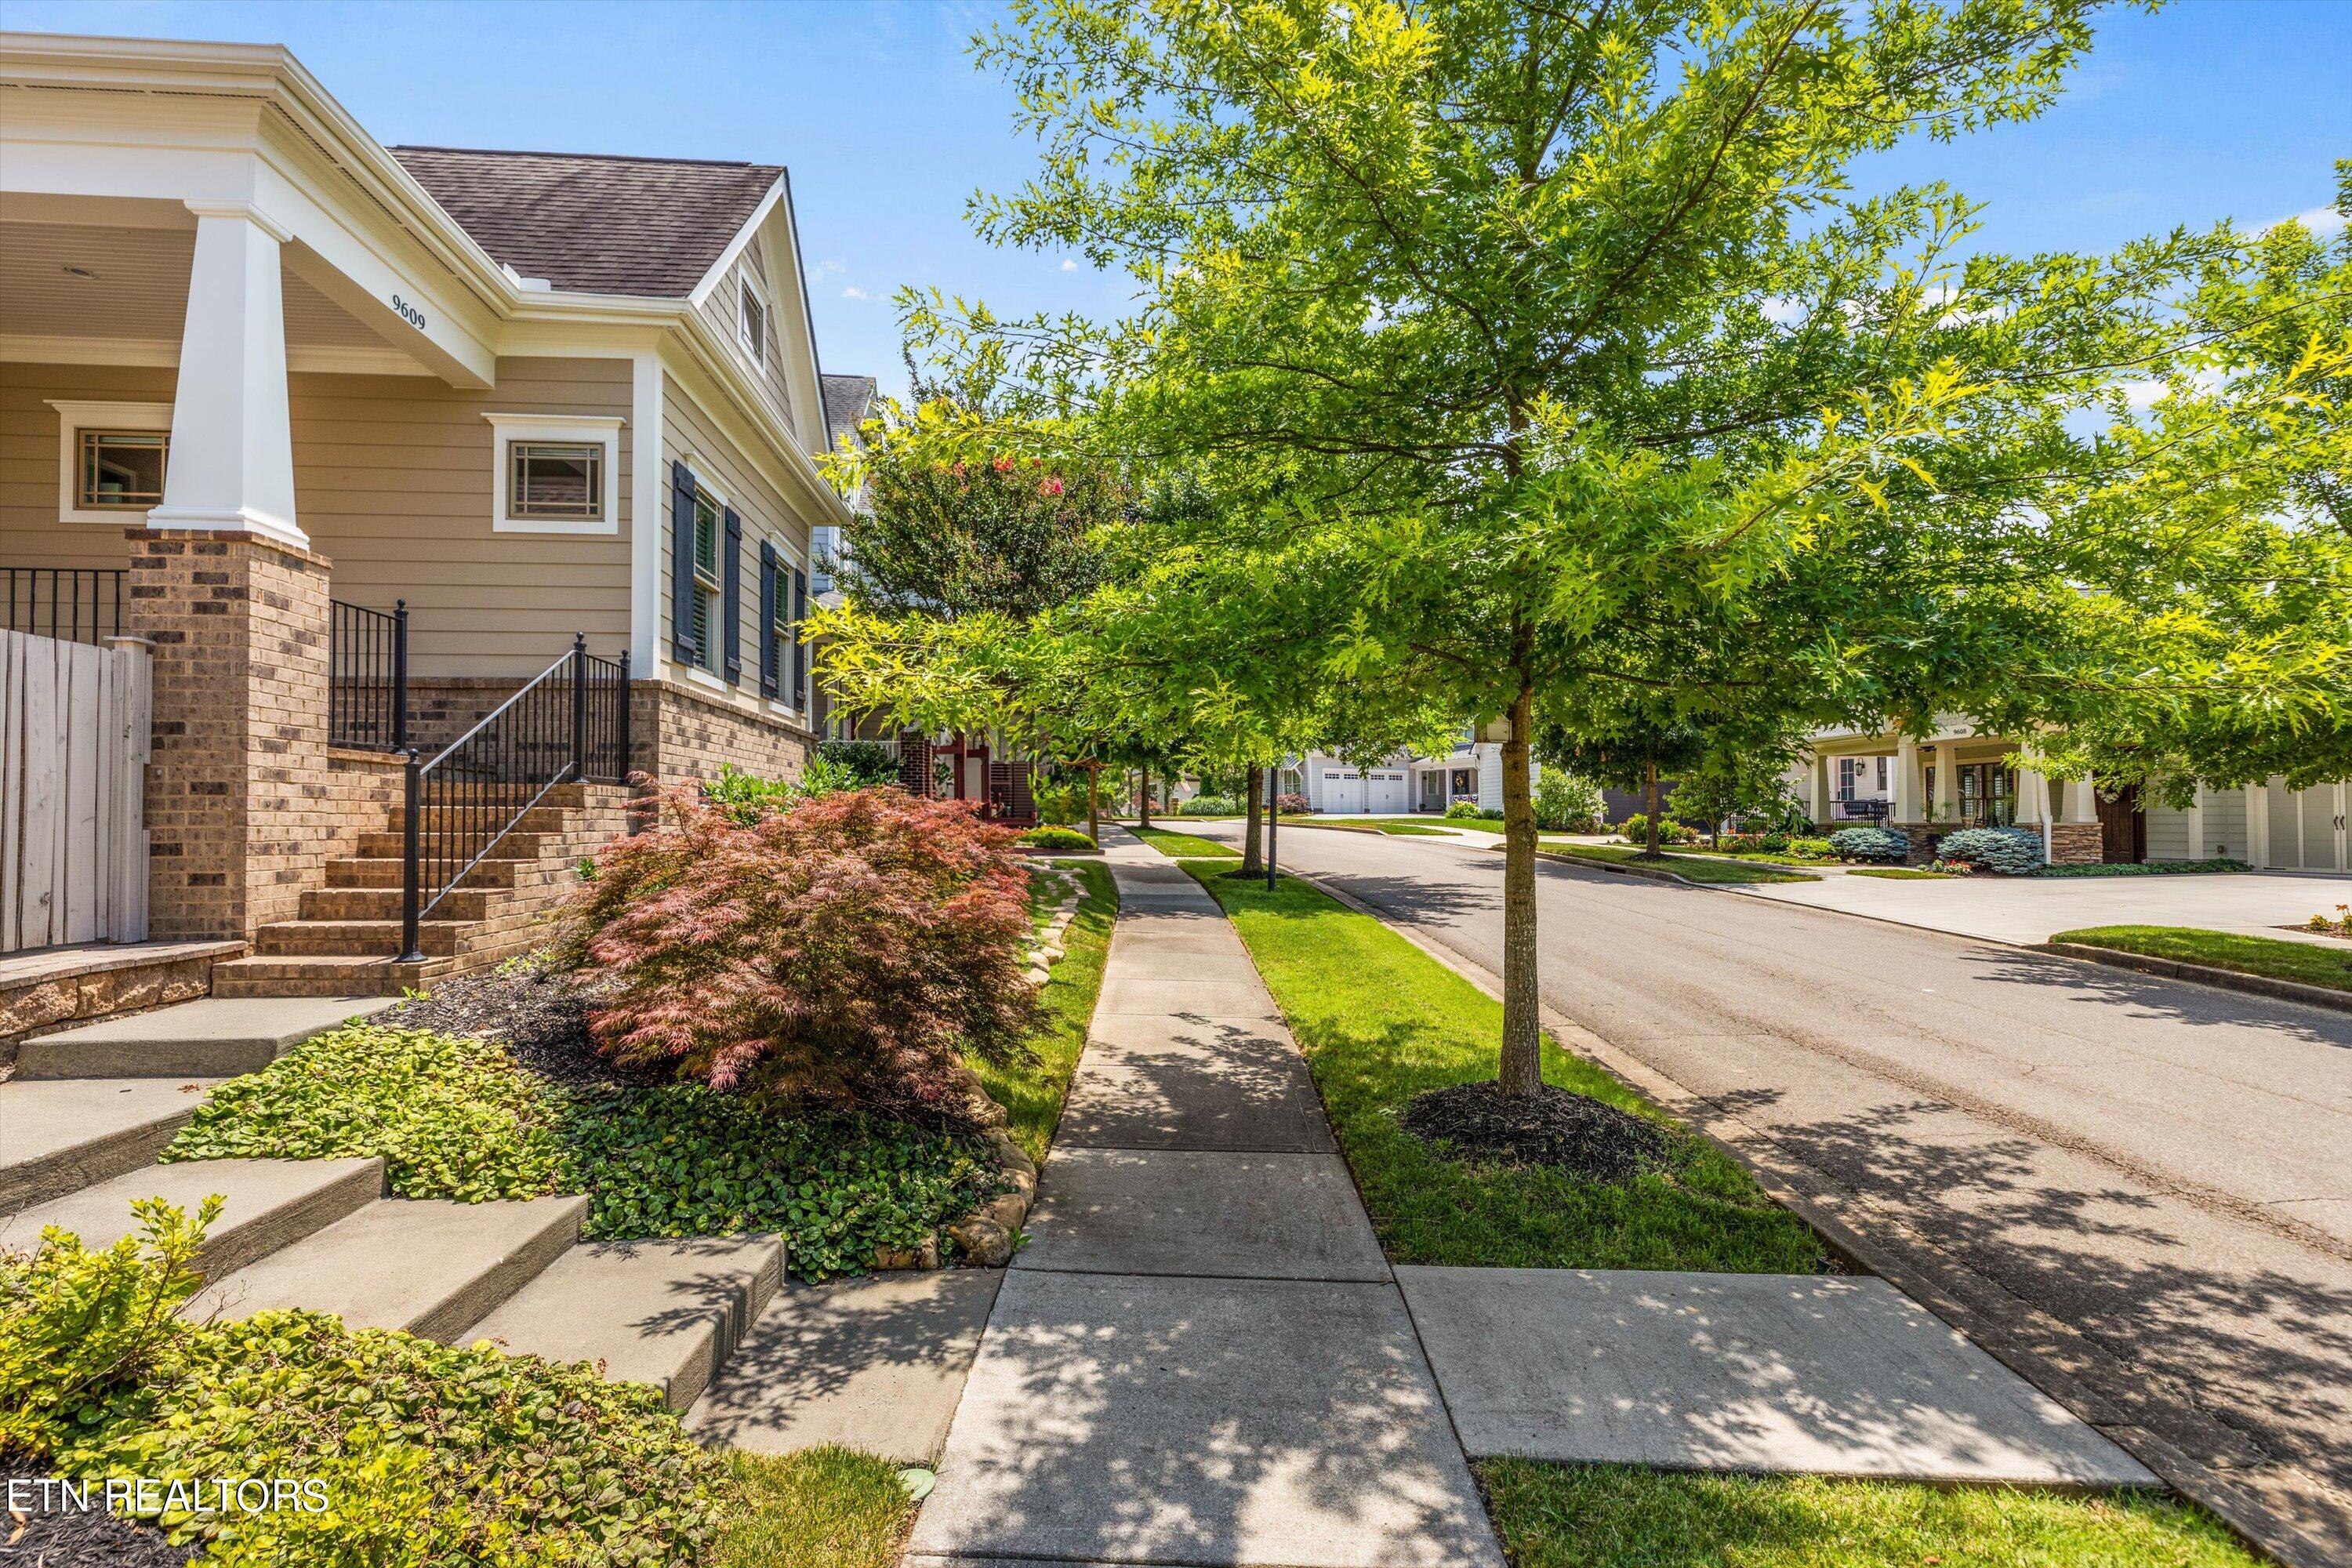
x: 1201, y: 1358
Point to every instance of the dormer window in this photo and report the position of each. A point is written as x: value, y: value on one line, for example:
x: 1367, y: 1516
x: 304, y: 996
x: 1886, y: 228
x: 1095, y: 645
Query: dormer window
x: 752, y: 323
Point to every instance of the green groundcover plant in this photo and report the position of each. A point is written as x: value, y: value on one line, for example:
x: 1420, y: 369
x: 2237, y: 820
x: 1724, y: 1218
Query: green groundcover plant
x: 428, y: 1454
x: 458, y: 1118
x: 1069, y: 840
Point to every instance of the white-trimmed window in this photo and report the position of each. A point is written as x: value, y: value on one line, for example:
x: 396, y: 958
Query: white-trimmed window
x: 752, y: 319
x: 555, y: 473
x: 112, y: 458
x: 710, y: 607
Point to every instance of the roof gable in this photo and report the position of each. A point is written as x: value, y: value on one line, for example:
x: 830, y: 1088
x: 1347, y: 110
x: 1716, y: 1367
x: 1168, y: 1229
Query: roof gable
x: 596, y: 223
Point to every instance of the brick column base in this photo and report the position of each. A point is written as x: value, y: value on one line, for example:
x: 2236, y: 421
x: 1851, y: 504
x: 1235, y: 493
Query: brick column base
x: 915, y: 770
x: 2077, y: 844
x: 237, y: 789
x: 1923, y: 836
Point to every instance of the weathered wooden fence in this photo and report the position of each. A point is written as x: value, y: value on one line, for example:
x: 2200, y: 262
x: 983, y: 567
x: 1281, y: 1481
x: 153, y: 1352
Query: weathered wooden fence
x: 73, y: 822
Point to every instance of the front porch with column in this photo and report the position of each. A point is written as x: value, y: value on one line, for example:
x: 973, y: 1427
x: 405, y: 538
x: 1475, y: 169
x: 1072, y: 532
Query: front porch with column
x: 1925, y: 800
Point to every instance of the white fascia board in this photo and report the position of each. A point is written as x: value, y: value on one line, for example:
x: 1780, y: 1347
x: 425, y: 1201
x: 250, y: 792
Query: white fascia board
x: 737, y: 245
x: 795, y: 476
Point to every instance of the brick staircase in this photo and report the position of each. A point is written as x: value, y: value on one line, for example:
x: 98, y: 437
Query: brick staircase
x: 346, y: 942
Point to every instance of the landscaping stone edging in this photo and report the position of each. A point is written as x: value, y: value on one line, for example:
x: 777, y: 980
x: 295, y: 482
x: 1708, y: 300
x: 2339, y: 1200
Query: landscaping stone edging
x: 2202, y: 973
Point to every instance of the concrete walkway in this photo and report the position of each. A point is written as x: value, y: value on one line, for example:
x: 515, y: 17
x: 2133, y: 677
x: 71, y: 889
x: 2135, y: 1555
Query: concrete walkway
x: 1201, y: 1358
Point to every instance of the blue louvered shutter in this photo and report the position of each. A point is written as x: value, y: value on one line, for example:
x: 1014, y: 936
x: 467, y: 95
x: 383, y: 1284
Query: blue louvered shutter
x: 800, y: 648
x: 681, y: 565
x: 730, y: 616
x: 770, y: 586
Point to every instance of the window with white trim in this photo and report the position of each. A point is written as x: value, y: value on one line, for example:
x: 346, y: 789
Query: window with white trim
x: 709, y: 537
x: 555, y: 473
x: 752, y: 321
x: 112, y: 459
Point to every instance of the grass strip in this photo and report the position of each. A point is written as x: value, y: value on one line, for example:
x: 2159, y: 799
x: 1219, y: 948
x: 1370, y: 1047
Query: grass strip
x: 1691, y: 867
x: 2307, y: 962
x: 1613, y: 1516
x: 1185, y: 846
x: 1030, y: 1089
x: 830, y: 1506
x: 1414, y: 830
x: 1380, y: 1021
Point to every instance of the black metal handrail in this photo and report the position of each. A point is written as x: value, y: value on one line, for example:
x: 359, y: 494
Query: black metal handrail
x: 73, y: 604
x: 367, y: 676
x: 570, y: 723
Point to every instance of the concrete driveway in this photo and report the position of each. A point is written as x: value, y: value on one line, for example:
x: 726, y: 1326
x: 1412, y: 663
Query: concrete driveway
x: 2033, y: 909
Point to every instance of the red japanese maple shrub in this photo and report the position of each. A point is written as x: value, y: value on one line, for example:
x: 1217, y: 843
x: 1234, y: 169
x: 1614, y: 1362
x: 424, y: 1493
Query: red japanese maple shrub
x: 847, y: 950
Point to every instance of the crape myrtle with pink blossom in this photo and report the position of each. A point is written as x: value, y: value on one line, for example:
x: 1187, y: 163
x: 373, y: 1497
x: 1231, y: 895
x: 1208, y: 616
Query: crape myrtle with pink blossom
x: 849, y: 950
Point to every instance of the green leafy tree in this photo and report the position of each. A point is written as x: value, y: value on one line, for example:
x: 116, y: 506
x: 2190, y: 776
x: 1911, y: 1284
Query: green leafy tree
x: 1632, y: 752
x: 1583, y: 372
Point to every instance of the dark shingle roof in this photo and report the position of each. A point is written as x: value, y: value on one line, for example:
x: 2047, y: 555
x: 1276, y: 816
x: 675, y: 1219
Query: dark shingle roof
x: 847, y: 400
x: 601, y: 225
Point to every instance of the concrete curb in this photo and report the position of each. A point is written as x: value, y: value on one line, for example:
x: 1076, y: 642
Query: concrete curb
x: 2270, y: 1533
x: 2202, y: 973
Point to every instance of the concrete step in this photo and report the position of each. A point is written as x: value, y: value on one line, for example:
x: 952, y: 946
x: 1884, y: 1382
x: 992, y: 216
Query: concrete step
x: 355, y: 939
x: 324, y: 975
x: 424, y: 1265
x: 266, y: 1205
x: 66, y: 1134
x: 384, y: 871
x: 665, y: 1312
x: 513, y: 847
x: 214, y: 1037
x: 383, y: 903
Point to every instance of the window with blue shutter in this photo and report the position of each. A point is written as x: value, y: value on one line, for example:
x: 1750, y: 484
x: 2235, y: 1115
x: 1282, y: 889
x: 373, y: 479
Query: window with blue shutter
x: 772, y: 605
x: 684, y: 644
x: 730, y: 615
x: 800, y: 648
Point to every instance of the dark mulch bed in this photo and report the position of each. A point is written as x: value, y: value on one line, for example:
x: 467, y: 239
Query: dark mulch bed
x: 1556, y: 1127
x: 538, y: 1012
x: 68, y: 1538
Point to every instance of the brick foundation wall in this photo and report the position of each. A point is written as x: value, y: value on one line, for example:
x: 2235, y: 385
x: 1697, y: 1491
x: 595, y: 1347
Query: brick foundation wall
x: 674, y: 735
x: 237, y: 792
x: 361, y: 788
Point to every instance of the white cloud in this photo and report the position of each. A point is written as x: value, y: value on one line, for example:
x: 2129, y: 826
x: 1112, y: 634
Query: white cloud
x: 2142, y: 393
x: 855, y: 292
x: 833, y: 267
x: 2321, y: 221
x: 1783, y: 312
x: 1069, y: 264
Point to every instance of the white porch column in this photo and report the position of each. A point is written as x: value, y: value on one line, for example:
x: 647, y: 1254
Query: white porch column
x: 2034, y: 807
x: 232, y: 461
x: 2082, y: 801
x: 1947, y: 783
x: 1906, y: 806
x: 1817, y: 786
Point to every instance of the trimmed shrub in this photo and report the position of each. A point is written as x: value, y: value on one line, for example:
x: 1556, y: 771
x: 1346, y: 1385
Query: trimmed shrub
x: 1292, y: 806
x: 1464, y: 811
x: 1209, y: 806
x: 1064, y: 838
x: 1635, y: 829
x: 846, y: 950
x: 1869, y: 844
x: 870, y: 762
x: 2011, y: 851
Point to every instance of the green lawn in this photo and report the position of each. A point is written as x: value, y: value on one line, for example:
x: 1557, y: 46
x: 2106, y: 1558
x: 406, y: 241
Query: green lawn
x: 1902, y: 874
x: 1693, y: 867
x: 2310, y: 963
x: 1765, y: 856
x: 828, y: 1506
x: 1609, y: 1516
x: 1185, y: 846
x: 1380, y: 1021
x: 1414, y: 830
x: 1031, y: 1090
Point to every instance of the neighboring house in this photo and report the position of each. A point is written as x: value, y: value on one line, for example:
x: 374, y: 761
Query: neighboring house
x: 1958, y: 778
x: 309, y: 416
x: 1407, y: 784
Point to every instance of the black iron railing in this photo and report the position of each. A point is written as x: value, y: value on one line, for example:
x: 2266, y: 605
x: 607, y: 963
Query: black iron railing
x: 367, y: 676
x: 73, y: 604
x: 569, y: 723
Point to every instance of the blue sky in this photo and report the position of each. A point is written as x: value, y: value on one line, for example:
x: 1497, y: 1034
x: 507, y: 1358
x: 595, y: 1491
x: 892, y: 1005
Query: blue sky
x: 2209, y: 108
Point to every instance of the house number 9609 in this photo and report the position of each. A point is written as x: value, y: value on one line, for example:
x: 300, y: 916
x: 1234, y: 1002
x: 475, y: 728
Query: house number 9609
x: 408, y: 312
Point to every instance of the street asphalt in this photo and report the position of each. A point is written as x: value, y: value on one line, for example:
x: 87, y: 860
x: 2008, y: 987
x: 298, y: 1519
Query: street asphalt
x: 2136, y: 1191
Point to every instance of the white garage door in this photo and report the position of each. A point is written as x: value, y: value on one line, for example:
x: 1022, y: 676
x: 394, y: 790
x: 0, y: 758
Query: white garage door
x: 1385, y: 791
x: 2306, y: 827
x: 1343, y: 790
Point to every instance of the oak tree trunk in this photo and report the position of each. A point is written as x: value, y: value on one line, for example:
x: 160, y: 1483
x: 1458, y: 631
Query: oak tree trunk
x: 1094, y: 802
x: 1143, y: 799
x: 1253, y: 861
x: 1650, y: 805
x: 1522, y: 1061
